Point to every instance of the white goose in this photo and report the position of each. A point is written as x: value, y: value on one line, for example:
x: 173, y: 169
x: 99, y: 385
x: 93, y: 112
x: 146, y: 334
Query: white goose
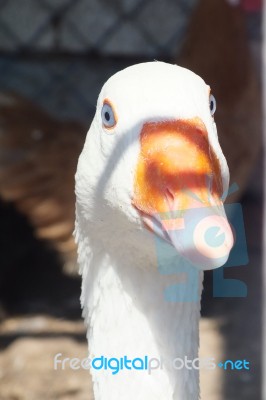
x: 152, y: 147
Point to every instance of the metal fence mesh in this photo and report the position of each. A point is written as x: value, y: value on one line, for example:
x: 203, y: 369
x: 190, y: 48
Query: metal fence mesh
x: 132, y: 27
x: 57, y: 52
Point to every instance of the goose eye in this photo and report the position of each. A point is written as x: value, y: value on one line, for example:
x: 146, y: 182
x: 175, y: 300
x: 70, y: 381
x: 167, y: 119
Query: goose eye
x: 212, y: 104
x: 108, y: 116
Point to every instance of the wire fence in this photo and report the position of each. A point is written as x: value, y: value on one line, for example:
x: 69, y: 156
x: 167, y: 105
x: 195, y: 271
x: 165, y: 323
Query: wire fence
x: 59, y: 52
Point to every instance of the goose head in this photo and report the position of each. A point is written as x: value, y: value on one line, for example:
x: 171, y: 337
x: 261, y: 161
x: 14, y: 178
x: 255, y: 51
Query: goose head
x: 152, y: 165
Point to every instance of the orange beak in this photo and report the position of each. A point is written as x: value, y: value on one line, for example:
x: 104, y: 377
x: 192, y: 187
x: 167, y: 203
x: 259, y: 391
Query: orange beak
x: 178, y: 189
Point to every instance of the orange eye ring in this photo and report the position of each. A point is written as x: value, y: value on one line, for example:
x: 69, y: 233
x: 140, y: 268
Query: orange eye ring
x: 109, y: 117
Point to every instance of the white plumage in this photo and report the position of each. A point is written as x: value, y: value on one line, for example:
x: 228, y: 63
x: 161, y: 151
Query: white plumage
x: 153, y: 111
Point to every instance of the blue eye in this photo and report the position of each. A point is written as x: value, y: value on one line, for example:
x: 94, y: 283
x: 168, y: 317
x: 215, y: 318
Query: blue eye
x: 108, y: 116
x: 212, y: 102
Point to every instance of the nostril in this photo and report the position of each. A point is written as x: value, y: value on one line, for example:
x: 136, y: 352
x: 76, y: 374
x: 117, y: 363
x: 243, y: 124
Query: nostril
x: 170, y: 198
x: 169, y: 194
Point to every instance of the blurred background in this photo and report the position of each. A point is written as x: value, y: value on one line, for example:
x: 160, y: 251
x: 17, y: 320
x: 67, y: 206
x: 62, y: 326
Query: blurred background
x: 54, y: 57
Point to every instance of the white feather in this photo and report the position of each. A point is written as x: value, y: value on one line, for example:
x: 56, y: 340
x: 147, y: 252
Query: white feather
x: 122, y: 289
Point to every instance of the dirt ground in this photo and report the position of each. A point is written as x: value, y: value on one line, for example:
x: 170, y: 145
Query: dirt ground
x: 40, y: 317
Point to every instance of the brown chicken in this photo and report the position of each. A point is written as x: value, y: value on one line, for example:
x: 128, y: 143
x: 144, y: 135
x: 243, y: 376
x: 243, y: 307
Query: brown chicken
x: 38, y: 159
x: 217, y: 49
